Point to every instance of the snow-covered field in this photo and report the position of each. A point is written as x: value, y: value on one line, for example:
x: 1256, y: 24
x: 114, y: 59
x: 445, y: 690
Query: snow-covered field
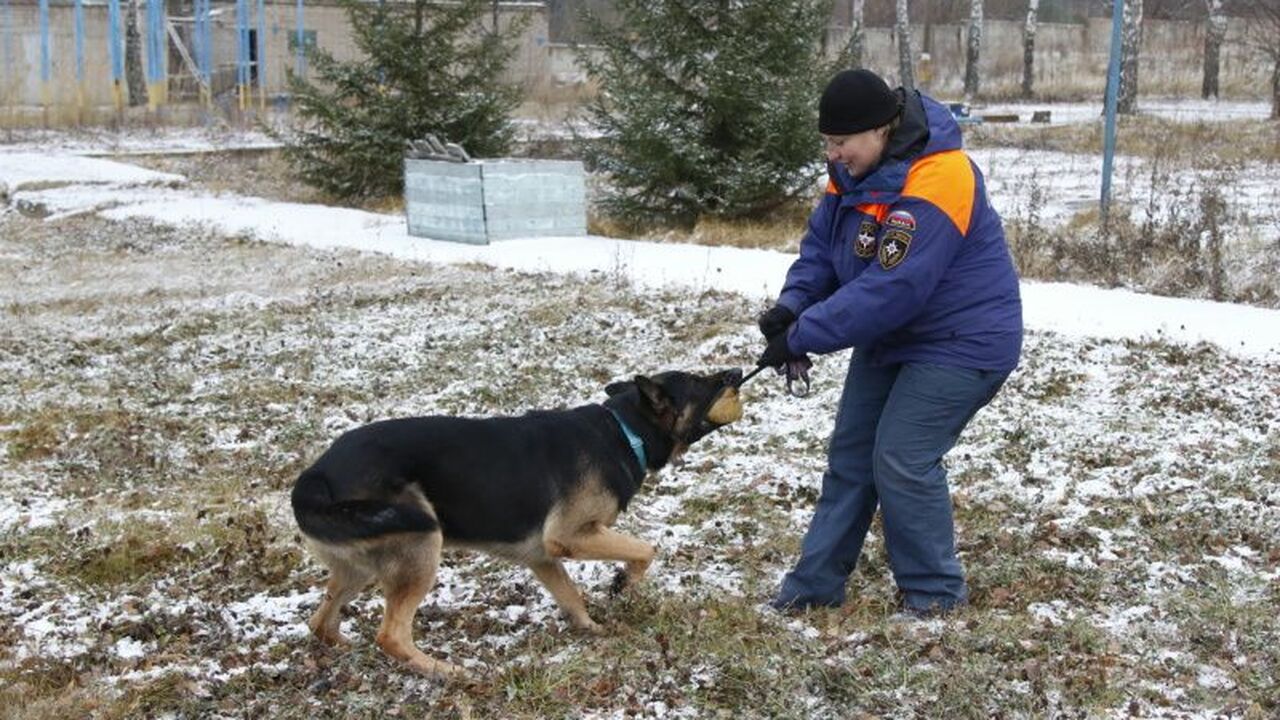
x: 171, y: 357
x: 1178, y: 109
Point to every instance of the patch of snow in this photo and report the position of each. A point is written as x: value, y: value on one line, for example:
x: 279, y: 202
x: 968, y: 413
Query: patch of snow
x: 1176, y: 109
x: 1214, y: 678
x: 18, y: 169
x: 271, y: 617
x: 32, y: 512
x: 130, y: 649
x: 1054, y: 612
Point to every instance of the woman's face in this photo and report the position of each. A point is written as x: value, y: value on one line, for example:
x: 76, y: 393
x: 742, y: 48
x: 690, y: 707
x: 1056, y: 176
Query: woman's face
x: 860, y: 152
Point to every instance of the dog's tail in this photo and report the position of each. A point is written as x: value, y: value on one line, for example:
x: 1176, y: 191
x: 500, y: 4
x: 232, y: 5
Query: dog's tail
x: 320, y: 517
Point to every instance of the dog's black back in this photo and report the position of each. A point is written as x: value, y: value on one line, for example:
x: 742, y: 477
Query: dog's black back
x: 488, y: 480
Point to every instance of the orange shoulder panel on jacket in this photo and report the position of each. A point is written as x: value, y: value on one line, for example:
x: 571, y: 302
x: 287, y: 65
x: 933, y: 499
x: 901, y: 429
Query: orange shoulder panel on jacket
x: 945, y: 179
x: 831, y: 188
x: 875, y: 210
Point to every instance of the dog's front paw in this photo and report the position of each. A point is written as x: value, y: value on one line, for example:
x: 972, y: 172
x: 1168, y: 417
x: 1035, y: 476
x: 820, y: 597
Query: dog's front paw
x: 621, y: 581
x: 628, y: 577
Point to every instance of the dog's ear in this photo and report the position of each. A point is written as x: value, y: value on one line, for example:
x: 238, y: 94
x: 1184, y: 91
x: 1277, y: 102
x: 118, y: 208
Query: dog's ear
x: 616, y: 388
x: 653, y: 394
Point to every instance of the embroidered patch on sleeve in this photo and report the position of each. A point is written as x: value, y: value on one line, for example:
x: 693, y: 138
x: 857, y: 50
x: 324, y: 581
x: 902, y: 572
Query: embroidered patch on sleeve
x: 902, y: 220
x: 864, y: 246
x: 893, y: 248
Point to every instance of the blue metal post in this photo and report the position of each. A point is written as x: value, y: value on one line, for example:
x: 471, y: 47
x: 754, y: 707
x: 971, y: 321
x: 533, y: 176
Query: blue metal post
x: 115, y: 46
x: 150, y: 45
x: 242, y: 52
x: 6, y: 19
x: 79, y: 20
x: 157, y: 45
x: 300, y: 66
x: 1113, y: 91
x: 79, y: 28
x: 203, y: 51
x: 197, y: 38
x: 46, y: 68
x: 262, y: 53
x: 211, y: 62
x: 206, y: 39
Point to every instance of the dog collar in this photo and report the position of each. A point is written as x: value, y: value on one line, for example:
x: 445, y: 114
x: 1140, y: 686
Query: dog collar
x: 637, y: 445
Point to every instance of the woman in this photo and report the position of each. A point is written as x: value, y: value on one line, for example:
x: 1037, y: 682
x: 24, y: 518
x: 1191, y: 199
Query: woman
x: 905, y: 261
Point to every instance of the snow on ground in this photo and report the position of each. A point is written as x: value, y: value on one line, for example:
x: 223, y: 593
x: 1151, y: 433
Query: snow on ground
x: 131, y: 141
x: 1097, y: 443
x: 1098, y: 451
x: 1056, y: 186
x: 1177, y: 109
x: 31, y: 168
x: 120, y: 190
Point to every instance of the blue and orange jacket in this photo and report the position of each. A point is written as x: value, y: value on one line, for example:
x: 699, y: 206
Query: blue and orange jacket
x: 909, y: 262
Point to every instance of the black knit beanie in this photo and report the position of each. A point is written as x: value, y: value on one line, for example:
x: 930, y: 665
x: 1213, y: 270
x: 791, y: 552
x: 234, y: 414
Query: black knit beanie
x: 855, y: 101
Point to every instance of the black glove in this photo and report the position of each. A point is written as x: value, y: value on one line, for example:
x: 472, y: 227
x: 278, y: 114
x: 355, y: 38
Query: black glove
x: 775, y: 320
x: 778, y: 353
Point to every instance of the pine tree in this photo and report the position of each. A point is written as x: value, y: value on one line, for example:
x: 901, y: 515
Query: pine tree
x: 424, y: 67
x: 707, y: 107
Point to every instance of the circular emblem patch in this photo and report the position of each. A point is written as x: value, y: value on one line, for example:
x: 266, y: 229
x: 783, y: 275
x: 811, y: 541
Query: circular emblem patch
x: 864, y: 246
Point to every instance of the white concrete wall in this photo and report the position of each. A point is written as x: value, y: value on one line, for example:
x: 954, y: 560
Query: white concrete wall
x: 1070, y: 58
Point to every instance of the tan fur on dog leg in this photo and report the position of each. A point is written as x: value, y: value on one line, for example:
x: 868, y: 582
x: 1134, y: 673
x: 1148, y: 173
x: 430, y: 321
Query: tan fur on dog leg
x: 345, y: 582
x: 411, y: 576
x: 566, y: 594
x: 602, y: 543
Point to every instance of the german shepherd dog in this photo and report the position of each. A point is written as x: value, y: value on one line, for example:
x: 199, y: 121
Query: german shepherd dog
x: 383, y: 501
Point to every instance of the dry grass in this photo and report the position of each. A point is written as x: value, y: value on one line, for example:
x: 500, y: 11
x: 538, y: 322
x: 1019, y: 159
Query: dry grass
x: 253, y: 172
x: 1176, y: 230
x: 1191, y: 144
x: 182, y: 413
x: 782, y: 230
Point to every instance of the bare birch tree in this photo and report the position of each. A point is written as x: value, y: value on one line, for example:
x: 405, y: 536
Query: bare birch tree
x: 1264, y: 34
x: 857, y: 33
x: 974, y: 50
x: 133, y: 71
x: 902, y: 30
x: 1029, y: 47
x: 1130, y: 48
x: 1215, y: 30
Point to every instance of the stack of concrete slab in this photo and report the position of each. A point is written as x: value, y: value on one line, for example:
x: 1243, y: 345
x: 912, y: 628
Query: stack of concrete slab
x: 486, y: 200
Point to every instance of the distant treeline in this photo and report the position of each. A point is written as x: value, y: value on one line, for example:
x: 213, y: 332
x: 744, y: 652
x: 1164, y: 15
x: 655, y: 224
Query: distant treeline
x: 564, y: 25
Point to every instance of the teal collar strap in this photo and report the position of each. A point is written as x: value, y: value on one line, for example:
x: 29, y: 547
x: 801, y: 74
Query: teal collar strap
x: 637, y: 445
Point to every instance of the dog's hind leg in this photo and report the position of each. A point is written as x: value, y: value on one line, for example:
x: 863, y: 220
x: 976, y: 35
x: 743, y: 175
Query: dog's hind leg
x: 566, y: 594
x: 406, y: 578
x: 345, y: 582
